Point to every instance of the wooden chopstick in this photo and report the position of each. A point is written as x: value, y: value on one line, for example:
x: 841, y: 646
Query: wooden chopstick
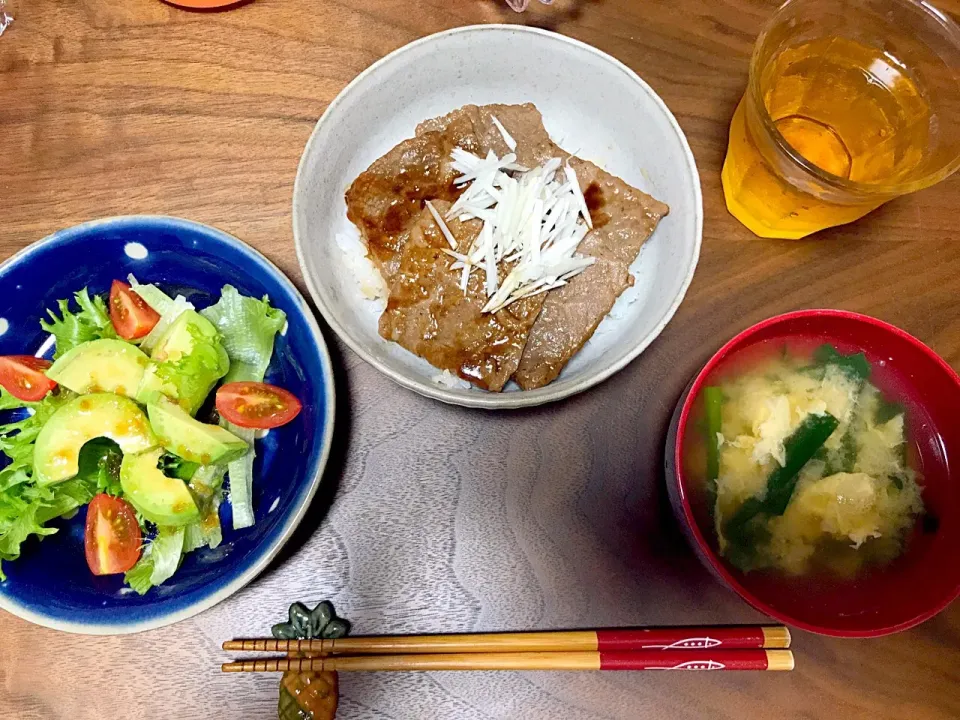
x: 713, y: 659
x: 732, y: 637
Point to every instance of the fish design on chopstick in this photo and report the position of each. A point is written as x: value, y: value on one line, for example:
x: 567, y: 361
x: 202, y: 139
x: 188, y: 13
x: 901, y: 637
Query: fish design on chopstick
x: 687, y: 643
x: 695, y: 665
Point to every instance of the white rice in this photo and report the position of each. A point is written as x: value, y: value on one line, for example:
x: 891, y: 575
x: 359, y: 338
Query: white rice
x: 361, y: 267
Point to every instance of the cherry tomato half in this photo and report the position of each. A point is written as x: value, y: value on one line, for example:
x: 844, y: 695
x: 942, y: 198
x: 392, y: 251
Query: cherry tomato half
x: 132, y: 318
x: 112, y: 538
x: 257, y: 405
x: 22, y: 376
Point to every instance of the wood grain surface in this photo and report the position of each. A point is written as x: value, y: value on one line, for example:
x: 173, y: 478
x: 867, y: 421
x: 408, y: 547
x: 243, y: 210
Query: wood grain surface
x: 445, y: 519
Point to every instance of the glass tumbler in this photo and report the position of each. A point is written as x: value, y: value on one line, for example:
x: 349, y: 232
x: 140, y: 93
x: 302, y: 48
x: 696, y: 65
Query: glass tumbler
x: 849, y: 103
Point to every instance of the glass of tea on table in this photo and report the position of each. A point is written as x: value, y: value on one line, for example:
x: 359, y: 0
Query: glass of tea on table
x: 850, y: 103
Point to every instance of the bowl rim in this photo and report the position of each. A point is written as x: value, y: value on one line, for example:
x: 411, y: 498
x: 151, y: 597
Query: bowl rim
x: 706, y: 551
x: 266, y: 556
x: 475, y: 398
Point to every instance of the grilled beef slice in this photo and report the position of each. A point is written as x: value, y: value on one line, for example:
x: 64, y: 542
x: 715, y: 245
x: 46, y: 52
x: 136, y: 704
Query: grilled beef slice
x: 430, y: 316
x: 623, y: 219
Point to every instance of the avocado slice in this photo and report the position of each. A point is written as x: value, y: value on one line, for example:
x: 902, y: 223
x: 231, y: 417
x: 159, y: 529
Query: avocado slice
x: 187, y: 362
x: 189, y: 330
x: 191, y: 439
x: 152, y: 387
x: 101, y: 366
x: 57, y: 450
x: 160, y: 499
x: 182, y: 336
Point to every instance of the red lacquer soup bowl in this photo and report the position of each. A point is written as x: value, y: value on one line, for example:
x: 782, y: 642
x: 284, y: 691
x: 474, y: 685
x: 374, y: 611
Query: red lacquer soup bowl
x: 926, y: 577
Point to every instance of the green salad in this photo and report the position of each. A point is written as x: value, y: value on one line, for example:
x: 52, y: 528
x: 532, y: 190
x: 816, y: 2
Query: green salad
x: 121, y: 422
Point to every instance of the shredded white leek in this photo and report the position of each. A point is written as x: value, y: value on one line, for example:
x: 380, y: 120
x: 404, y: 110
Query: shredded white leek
x: 534, y: 218
x: 442, y: 225
x: 507, y: 137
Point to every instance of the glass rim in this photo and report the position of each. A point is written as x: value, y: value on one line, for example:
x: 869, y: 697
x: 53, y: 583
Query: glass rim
x: 951, y: 30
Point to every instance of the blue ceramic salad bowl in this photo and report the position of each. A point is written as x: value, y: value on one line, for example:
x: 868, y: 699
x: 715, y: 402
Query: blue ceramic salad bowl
x: 50, y: 584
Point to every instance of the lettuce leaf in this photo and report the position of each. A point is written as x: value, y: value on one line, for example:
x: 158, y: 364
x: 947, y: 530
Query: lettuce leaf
x: 9, y: 402
x: 99, y: 461
x: 188, y: 379
x: 160, y: 560
x: 151, y: 295
x: 167, y: 317
x: 26, y: 507
x: 241, y: 478
x: 207, y: 532
x: 168, y: 308
x: 19, y: 433
x: 73, y: 327
x: 248, y: 327
x: 206, y: 481
x: 207, y: 487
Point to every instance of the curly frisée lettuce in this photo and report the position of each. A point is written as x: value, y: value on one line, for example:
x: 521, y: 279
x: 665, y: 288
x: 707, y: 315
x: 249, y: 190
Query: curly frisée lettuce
x: 90, y: 322
x: 190, y: 377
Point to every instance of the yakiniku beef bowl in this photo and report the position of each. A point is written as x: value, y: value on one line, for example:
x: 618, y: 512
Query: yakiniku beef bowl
x: 497, y: 216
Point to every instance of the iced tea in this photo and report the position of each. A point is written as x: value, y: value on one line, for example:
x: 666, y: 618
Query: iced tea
x: 834, y: 125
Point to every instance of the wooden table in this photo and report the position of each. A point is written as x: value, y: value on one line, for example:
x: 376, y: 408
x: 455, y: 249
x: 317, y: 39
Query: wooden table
x: 445, y: 519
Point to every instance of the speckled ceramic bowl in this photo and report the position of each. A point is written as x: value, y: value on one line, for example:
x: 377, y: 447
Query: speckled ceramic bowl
x: 50, y: 583
x: 592, y: 105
